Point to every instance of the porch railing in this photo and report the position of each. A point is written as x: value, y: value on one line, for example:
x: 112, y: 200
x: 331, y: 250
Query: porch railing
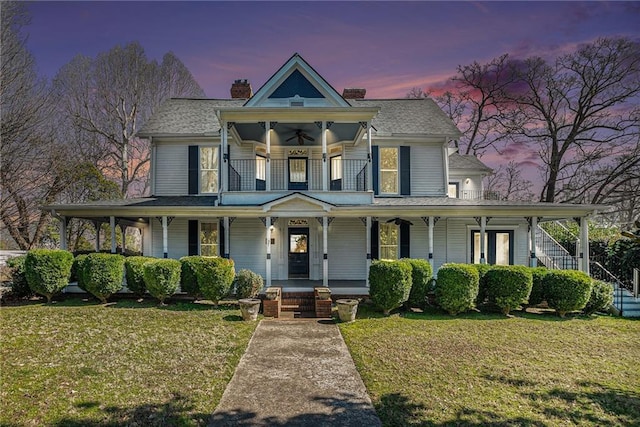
x: 479, y: 195
x: 250, y: 175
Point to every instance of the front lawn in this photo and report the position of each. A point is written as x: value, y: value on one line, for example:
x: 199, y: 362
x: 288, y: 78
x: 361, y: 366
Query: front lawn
x: 76, y: 363
x: 479, y: 369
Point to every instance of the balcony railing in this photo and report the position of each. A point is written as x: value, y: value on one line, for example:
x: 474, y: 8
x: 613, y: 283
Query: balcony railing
x: 479, y: 195
x: 250, y: 175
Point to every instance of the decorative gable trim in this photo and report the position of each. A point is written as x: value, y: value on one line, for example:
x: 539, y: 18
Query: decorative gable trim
x: 312, y: 202
x: 296, y: 70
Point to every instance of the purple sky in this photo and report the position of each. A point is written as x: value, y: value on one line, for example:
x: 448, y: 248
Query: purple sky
x: 386, y: 47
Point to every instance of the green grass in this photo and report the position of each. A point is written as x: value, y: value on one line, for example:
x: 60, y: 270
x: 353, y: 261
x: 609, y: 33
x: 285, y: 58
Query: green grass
x: 480, y: 369
x: 77, y: 363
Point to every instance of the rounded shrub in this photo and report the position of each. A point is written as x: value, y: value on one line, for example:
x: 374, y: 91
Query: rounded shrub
x: 19, y: 285
x: 601, y: 297
x: 134, y: 267
x: 567, y: 290
x: 421, y: 274
x: 103, y: 274
x: 390, y: 284
x: 215, y: 277
x: 48, y: 270
x: 457, y: 287
x: 248, y: 284
x: 508, y: 286
x: 162, y: 277
x: 78, y: 272
x: 537, y: 294
x: 188, y: 277
x: 482, y: 283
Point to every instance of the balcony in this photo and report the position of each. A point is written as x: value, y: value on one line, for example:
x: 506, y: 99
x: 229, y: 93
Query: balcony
x: 297, y: 174
x: 479, y: 195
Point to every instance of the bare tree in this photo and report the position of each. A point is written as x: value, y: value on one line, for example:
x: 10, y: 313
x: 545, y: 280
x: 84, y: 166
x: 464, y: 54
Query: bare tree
x: 577, y: 111
x: 107, y: 98
x: 508, y: 182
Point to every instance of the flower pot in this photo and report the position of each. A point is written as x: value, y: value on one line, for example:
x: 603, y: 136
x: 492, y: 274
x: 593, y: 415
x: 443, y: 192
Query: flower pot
x: 249, y: 308
x: 347, y: 309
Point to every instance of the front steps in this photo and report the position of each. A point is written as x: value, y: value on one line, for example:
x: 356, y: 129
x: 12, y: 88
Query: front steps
x: 630, y: 306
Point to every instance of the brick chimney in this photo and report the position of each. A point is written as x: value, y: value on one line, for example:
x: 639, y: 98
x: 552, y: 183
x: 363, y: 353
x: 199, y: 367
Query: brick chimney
x: 353, y: 93
x: 241, y: 89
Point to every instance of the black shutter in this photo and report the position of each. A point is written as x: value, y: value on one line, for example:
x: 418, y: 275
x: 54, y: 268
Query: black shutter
x: 405, y: 249
x: 221, y: 240
x: 375, y: 168
x: 193, y: 237
x: 405, y: 170
x: 193, y: 169
x: 375, y: 238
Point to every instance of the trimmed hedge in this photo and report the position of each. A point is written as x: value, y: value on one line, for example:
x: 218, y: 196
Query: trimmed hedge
x: 104, y: 274
x: 508, y: 286
x: 78, y: 271
x: 482, y: 283
x: 248, y: 284
x: 19, y: 284
x: 134, y: 267
x: 215, y: 277
x: 390, y: 284
x: 457, y: 287
x: 162, y: 277
x: 188, y: 277
x: 48, y: 270
x: 567, y: 290
x: 421, y: 273
x: 601, y: 297
x: 537, y: 295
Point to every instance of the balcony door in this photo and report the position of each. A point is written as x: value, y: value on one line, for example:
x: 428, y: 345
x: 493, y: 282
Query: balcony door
x: 298, y: 253
x: 298, y: 173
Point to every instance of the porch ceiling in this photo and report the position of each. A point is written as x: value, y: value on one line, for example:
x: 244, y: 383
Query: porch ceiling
x: 284, y: 134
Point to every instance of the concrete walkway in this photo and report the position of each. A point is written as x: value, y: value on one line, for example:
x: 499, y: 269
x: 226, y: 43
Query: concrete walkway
x: 296, y: 373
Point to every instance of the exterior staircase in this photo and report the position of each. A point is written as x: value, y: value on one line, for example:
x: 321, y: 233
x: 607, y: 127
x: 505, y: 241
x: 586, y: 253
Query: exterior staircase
x: 298, y: 304
x: 554, y: 256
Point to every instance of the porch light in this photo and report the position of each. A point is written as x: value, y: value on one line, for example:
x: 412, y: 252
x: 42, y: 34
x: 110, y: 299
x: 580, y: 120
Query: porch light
x: 467, y: 181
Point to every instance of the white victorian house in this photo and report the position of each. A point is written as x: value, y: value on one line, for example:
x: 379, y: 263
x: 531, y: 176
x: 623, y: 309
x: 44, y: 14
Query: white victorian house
x: 306, y: 186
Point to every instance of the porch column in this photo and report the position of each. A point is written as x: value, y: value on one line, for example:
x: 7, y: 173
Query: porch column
x: 532, y: 234
x: 267, y: 140
x: 224, y: 185
x: 165, y: 237
x: 584, y: 247
x: 112, y: 225
x: 123, y: 230
x: 267, y: 223
x: 368, y: 232
x: 325, y: 249
x: 63, y: 233
x: 369, y: 164
x: 97, y: 225
x: 325, y: 165
x: 227, y: 239
x: 431, y: 224
x: 483, y: 229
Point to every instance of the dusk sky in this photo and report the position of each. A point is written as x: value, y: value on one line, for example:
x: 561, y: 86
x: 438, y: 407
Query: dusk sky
x: 385, y: 47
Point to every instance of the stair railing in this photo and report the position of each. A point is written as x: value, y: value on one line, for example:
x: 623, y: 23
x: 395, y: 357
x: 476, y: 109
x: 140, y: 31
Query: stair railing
x: 601, y: 273
x: 547, y: 245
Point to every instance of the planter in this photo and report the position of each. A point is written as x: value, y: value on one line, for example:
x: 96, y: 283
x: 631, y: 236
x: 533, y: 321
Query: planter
x: 323, y: 293
x: 249, y: 308
x: 272, y: 293
x: 347, y: 309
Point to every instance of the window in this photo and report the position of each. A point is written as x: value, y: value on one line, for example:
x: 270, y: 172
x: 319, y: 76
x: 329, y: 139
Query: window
x: 453, y: 190
x: 498, y: 247
x: 389, y: 241
x: 208, y: 169
x: 389, y: 170
x: 208, y: 239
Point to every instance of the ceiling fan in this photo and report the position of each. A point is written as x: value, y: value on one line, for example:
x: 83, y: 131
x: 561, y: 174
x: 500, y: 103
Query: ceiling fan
x: 399, y: 221
x: 301, y: 135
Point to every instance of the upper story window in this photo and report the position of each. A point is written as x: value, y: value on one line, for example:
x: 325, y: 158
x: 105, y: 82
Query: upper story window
x: 389, y: 170
x: 208, y: 169
x: 389, y: 241
x: 453, y: 190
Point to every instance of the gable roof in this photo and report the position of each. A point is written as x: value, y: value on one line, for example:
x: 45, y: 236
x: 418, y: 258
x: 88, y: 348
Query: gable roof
x: 296, y: 75
x: 467, y: 162
x: 409, y: 116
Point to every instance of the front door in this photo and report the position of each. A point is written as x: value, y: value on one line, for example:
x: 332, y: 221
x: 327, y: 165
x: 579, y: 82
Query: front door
x: 298, y: 253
